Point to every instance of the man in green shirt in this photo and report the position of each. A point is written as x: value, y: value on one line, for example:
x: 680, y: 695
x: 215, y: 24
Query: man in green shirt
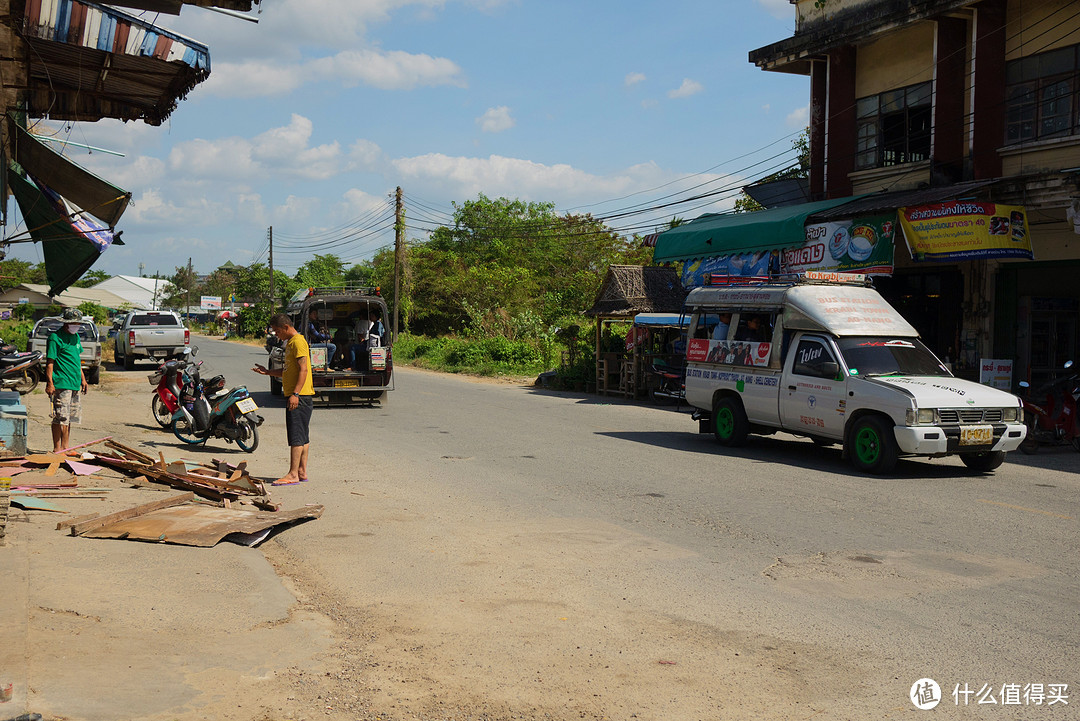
x: 64, y: 379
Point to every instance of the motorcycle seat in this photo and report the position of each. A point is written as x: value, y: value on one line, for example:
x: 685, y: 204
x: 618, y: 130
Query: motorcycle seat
x: 13, y: 359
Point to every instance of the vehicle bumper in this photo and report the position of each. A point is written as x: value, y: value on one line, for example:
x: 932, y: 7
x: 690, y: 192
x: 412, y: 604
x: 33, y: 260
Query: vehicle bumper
x: 935, y: 440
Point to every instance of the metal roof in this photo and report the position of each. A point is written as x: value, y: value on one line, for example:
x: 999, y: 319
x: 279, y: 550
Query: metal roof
x: 889, y: 202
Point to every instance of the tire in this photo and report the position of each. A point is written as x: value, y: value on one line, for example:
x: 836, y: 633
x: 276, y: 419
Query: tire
x: 1030, y: 445
x: 729, y: 422
x: 29, y: 381
x: 161, y: 413
x: 182, y: 430
x: 983, y: 462
x: 118, y: 357
x: 249, y: 436
x: 129, y: 363
x: 93, y: 376
x: 872, y: 447
x: 275, y: 387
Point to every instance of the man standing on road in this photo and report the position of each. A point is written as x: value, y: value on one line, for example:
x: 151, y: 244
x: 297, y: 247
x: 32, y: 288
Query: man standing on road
x: 297, y: 387
x: 64, y: 379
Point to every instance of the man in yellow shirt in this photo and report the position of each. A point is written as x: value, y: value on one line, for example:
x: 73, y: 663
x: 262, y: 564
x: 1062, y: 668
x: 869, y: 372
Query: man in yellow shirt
x: 296, y: 385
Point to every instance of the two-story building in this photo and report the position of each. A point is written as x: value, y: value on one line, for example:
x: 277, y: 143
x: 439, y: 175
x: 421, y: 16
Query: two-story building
x: 980, y: 98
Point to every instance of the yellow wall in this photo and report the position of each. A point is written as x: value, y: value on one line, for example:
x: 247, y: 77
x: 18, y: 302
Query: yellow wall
x: 1039, y: 157
x: 895, y: 60
x: 1031, y: 27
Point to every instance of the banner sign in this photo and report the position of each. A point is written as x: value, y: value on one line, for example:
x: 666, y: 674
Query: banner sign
x: 742, y: 264
x: 859, y: 245
x: 210, y: 302
x: 996, y: 373
x: 966, y: 230
x: 730, y: 352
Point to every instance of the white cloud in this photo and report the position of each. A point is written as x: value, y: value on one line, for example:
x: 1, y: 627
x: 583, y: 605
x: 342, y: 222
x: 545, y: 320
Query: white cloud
x: 780, y: 9
x: 634, y: 78
x: 766, y: 108
x: 496, y: 120
x: 799, y: 117
x: 689, y: 87
x: 649, y: 103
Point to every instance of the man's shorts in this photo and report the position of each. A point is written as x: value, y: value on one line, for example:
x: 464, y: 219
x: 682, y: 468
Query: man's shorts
x: 297, y: 421
x: 67, y: 407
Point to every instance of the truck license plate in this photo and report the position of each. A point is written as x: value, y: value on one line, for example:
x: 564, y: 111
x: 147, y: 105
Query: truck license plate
x: 976, y: 435
x: 246, y: 405
x: 346, y: 383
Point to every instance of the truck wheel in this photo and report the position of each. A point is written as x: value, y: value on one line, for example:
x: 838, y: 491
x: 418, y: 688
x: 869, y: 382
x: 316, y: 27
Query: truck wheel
x: 129, y: 363
x: 872, y: 445
x: 275, y: 386
x: 730, y: 425
x: 983, y: 462
x: 93, y: 376
x: 118, y: 357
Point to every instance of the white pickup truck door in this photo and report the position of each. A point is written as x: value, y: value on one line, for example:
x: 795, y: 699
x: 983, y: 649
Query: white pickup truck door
x: 812, y: 401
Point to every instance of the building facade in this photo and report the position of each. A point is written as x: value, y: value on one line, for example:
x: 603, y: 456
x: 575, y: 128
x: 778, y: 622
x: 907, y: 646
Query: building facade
x: 937, y: 93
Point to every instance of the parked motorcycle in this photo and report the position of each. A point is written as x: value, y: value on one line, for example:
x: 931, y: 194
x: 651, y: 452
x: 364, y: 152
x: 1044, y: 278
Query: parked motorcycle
x: 209, y: 410
x: 170, y: 377
x: 1054, y: 422
x: 19, y: 371
x: 666, y: 384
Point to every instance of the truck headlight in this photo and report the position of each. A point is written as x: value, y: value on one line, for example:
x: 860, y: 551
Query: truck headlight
x: 1010, y: 415
x: 920, y: 416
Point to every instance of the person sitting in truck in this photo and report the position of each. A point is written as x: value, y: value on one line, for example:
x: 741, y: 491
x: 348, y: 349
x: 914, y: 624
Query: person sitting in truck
x: 720, y: 330
x: 320, y: 335
x: 753, y: 329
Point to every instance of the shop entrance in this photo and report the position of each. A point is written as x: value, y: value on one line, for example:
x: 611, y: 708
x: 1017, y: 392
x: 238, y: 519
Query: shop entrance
x: 932, y: 302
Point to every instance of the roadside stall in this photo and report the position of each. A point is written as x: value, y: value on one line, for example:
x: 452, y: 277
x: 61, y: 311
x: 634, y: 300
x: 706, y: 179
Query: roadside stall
x: 656, y: 348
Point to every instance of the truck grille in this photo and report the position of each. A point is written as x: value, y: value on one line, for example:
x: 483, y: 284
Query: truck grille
x: 970, y: 415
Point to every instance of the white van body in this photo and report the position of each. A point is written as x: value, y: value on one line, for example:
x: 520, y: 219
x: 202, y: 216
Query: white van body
x: 838, y: 365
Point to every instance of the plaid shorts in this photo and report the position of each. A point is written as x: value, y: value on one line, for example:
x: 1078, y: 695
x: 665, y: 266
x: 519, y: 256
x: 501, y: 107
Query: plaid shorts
x: 67, y: 407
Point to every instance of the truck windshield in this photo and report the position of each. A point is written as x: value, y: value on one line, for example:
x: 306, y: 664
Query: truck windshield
x: 876, y: 356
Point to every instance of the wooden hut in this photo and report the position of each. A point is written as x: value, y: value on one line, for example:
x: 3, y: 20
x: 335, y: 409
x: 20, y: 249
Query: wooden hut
x: 626, y: 291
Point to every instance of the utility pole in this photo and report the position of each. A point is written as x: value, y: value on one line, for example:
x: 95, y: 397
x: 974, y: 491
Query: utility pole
x: 190, y: 279
x: 399, y: 239
x: 270, y: 235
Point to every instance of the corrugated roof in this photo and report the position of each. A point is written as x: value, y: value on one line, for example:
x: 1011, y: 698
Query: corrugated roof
x: 888, y: 202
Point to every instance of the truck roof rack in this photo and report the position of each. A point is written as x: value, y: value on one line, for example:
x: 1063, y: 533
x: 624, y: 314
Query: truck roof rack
x: 809, y: 277
x: 347, y: 289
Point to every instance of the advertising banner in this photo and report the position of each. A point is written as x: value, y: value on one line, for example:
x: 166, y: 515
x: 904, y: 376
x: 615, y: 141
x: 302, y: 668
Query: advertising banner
x: 210, y: 302
x: 996, y: 373
x: 859, y: 245
x: 966, y: 230
x: 741, y: 264
x: 730, y: 352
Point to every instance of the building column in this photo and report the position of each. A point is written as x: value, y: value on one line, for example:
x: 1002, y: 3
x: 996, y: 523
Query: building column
x: 949, y: 90
x: 819, y: 88
x: 988, y: 101
x: 840, y: 128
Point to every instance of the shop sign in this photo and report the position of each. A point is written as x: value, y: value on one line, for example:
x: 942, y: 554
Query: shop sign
x: 858, y: 245
x: 996, y: 373
x: 964, y: 230
x: 730, y: 352
x: 210, y: 302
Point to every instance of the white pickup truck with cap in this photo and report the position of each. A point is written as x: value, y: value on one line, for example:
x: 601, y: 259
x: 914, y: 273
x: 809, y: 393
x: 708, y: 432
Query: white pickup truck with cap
x: 826, y: 357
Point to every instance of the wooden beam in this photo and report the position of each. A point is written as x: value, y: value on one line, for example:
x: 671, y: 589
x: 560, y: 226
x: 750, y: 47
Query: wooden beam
x: 89, y: 525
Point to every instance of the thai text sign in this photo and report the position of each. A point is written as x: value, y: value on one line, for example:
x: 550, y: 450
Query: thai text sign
x: 210, y: 302
x: 996, y: 373
x: 859, y: 245
x: 966, y: 230
x: 731, y: 352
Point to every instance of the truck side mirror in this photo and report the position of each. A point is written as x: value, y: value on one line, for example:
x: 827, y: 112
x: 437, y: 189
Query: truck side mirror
x: 830, y: 369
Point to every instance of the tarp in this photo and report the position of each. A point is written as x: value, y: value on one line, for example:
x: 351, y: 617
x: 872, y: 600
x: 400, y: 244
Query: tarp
x: 729, y: 234
x: 94, y: 195
x: 70, y: 245
x: 672, y: 320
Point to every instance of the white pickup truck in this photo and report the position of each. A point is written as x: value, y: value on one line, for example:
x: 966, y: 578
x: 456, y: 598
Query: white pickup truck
x: 828, y: 358
x: 156, y: 335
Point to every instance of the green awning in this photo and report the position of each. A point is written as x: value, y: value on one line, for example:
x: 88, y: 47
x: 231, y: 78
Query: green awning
x: 725, y: 234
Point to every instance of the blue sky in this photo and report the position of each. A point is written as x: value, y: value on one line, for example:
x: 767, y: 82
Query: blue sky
x: 312, y: 117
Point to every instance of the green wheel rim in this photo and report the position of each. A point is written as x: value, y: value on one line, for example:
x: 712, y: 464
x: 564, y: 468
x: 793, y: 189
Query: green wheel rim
x: 725, y: 422
x: 867, y: 445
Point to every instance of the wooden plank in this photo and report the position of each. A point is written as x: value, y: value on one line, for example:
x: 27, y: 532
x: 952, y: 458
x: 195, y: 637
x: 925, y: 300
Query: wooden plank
x: 204, y: 526
x: 127, y: 513
x: 77, y: 519
x: 129, y: 452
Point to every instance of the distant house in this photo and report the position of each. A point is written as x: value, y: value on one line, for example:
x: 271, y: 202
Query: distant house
x: 38, y: 296
x: 143, y: 293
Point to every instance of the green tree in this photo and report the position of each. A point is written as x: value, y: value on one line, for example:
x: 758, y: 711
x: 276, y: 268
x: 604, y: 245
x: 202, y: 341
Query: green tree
x: 321, y: 271
x: 15, y: 272
x: 253, y: 285
x: 95, y: 311
x: 91, y: 278
x: 183, y: 288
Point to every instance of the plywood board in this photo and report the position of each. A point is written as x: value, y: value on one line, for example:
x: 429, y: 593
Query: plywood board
x: 196, y: 525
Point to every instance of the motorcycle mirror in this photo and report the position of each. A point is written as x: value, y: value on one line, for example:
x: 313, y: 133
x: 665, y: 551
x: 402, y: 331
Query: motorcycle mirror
x: 193, y: 350
x: 1025, y: 384
x: 1068, y: 364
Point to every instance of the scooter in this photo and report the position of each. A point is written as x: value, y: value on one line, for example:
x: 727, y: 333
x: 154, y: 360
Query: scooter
x: 170, y: 377
x: 1055, y: 421
x: 666, y: 384
x: 19, y: 371
x: 211, y: 411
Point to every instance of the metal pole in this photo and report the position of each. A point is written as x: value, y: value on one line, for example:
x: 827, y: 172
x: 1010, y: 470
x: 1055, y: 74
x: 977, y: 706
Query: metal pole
x: 273, y: 303
x: 399, y: 236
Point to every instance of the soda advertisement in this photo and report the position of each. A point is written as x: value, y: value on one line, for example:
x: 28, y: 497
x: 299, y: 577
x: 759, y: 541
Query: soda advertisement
x: 859, y: 245
x: 966, y: 230
x: 729, y: 352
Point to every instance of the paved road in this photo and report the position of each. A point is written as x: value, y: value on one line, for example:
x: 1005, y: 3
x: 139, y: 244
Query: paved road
x: 543, y: 553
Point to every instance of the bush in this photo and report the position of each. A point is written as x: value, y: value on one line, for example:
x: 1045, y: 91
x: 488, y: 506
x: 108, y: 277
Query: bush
x: 16, y: 333
x: 486, y: 356
x: 23, y: 311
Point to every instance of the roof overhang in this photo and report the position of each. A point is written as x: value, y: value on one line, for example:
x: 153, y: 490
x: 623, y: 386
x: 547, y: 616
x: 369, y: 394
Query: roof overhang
x: 173, y: 7
x: 88, y: 61
x: 849, y: 27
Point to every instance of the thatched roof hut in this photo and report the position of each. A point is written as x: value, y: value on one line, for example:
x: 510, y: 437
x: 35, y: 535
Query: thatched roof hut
x: 631, y: 289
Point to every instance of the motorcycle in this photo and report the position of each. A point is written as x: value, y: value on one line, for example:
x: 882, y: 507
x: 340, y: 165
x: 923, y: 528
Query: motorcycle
x: 19, y: 371
x: 666, y: 384
x: 1055, y: 421
x: 209, y: 410
x: 170, y: 377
